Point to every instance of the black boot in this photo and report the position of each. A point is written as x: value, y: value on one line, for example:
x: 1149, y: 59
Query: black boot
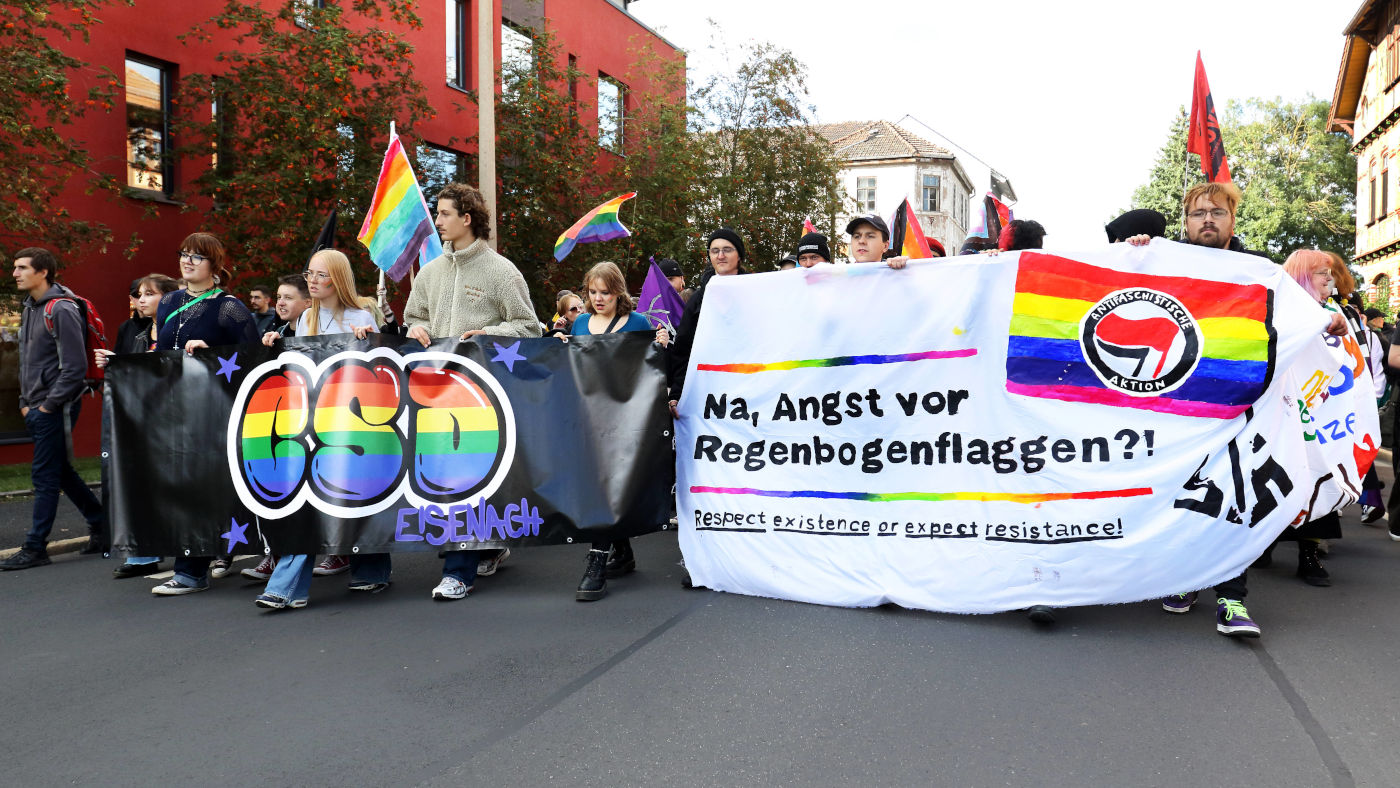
x: 1310, y: 566
x: 621, y: 561
x: 594, y: 585
x: 1265, y: 558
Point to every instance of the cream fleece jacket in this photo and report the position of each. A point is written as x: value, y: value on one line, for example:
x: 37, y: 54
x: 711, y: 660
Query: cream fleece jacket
x: 474, y: 289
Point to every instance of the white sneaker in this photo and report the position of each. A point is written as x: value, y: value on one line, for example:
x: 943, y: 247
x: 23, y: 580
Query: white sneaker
x: 488, y: 566
x: 451, y: 588
x: 220, y: 567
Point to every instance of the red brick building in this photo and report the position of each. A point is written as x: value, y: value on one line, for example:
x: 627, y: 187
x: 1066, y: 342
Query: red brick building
x: 598, y: 37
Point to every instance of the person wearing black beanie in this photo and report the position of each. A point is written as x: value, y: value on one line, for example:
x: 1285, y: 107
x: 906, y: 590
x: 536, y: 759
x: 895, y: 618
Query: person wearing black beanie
x: 728, y: 235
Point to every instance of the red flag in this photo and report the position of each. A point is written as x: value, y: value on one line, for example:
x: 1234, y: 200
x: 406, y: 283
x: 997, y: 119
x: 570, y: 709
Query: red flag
x: 807, y: 226
x: 906, y: 236
x: 1203, y: 135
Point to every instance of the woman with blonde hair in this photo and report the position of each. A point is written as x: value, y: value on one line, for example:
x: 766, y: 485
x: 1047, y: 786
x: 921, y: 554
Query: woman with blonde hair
x: 609, y: 311
x: 335, y: 309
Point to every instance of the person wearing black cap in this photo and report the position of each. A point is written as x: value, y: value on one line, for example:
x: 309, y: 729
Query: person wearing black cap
x: 1140, y: 221
x: 673, y: 273
x: 788, y: 262
x: 813, y: 249
x: 870, y: 239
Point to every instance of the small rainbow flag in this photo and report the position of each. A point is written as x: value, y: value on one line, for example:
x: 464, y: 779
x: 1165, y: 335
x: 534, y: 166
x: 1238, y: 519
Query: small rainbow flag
x: 906, y: 236
x: 398, y: 228
x: 808, y: 227
x: 1229, y: 326
x: 599, y: 224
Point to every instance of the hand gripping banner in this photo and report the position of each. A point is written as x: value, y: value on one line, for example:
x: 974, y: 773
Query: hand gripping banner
x: 983, y: 434
x: 337, y: 445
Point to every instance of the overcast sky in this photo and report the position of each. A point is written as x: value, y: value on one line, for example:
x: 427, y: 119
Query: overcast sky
x: 1069, y: 99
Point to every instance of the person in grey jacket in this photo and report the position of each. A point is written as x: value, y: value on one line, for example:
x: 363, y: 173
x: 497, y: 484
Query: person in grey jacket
x: 52, y: 368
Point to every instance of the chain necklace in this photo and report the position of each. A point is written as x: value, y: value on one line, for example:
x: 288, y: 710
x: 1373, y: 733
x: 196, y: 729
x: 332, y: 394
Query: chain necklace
x: 192, y: 305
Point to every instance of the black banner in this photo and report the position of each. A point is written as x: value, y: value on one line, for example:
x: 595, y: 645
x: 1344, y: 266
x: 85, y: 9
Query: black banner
x: 337, y: 445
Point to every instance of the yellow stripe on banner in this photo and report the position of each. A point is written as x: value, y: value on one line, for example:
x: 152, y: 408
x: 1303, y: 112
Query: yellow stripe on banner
x: 468, y: 419
x: 1027, y: 326
x: 259, y: 425
x: 1233, y: 328
x: 339, y: 419
x: 1069, y: 310
x: 1235, y: 349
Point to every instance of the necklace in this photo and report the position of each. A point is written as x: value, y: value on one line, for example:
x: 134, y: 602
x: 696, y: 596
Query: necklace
x: 187, y: 311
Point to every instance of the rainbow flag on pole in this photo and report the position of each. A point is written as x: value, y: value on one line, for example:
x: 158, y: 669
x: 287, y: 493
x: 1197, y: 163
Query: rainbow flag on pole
x: 398, y: 228
x: 1171, y: 344
x: 599, y: 224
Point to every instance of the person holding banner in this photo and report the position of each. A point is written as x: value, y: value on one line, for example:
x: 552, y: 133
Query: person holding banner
x: 200, y: 316
x: 331, y: 284
x: 726, y: 252
x: 610, y: 311
x: 469, y: 290
x: 870, y: 240
x: 137, y: 335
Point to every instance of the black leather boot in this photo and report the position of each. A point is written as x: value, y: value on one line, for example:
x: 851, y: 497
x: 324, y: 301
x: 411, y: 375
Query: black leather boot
x: 621, y: 561
x: 1310, y: 566
x: 594, y: 585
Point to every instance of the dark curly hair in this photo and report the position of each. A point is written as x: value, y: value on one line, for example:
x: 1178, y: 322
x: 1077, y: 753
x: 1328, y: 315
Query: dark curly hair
x: 469, y: 202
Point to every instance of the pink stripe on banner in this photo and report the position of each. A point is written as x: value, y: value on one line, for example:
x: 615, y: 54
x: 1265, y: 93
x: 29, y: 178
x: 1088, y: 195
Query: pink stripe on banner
x: 1105, y: 397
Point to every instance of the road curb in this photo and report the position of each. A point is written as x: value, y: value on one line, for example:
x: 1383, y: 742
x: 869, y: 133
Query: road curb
x: 55, y: 548
x: 30, y: 491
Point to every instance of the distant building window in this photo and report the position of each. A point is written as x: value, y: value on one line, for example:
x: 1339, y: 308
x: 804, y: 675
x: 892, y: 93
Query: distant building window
x: 438, y: 167
x: 456, y: 28
x: 865, y: 194
x: 1372, y: 202
x: 1380, y: 293
x: 1385, y: 193
x: 931, y: 186
x: 148, y: 162
x: 611, y: 98
x: 304, y: 11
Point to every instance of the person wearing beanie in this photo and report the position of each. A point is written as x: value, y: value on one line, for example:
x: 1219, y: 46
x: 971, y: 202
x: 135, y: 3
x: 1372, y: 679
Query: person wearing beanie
x: 1140, y: 221
x: 813, y: 249
x: 787, y: 263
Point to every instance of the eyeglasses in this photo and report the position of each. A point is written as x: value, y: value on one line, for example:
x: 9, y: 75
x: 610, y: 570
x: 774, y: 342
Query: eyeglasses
x: 193, y: 258
x: 1216, y: 214
x: 575, y: 308
x: 321, y: 275
x: 718, y: 250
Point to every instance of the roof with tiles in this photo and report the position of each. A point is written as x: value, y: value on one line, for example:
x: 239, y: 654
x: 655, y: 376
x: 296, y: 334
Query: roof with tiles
x: 878, y: 139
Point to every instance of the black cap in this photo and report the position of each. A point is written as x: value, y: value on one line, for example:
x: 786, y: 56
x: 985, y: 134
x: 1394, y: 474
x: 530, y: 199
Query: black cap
x: 814, y: 242
x: 872, y: 219
x: 730, y: 236
x: 788, y: 258
x: 1372, y: 313
x: 669, y: 267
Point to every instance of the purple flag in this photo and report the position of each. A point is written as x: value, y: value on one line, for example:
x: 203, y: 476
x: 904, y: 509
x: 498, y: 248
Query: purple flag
x: 660, y: 304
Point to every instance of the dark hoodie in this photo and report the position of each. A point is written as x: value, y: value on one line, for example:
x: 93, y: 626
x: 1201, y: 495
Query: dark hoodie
x: 43, y: 379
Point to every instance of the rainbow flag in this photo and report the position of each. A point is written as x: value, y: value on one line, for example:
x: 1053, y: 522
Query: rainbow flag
x: 599, y: 224
x: 808, y: 227
x: 906, y: 236
x: 398, y: 228
x: 1171, y: 344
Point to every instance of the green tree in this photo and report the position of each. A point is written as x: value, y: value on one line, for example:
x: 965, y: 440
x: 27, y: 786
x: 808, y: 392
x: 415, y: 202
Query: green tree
x: 766, y: 170
x: 1298, y: 179
x: 300, y: 116
x: 47, y: 91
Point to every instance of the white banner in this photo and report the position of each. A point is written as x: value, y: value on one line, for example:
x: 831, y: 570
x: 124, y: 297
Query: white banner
x: 982, y: 434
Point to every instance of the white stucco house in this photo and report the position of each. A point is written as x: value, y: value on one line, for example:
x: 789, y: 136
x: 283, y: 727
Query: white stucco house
x: 883, y: 163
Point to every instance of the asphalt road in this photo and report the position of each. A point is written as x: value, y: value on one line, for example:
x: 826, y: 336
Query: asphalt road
x: 520, y: 685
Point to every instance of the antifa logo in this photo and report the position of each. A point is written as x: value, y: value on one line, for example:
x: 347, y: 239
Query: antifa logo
x: 354, y: 434
x: 1140, y: 342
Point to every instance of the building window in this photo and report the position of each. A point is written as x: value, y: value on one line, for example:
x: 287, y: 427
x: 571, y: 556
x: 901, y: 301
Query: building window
x: 931, y: 186
x: 304, y: 12
x: 865, y: 194
x: 148, y: 163
x: 517, y: 56
x: 1380, y: 293
x: 1372, y: 202
x: 456, y: 28
x: 1385, y: 193
x: 611, y: 101
x: 438, y: 167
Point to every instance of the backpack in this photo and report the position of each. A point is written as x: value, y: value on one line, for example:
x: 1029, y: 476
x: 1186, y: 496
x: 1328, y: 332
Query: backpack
x: 94, y: 334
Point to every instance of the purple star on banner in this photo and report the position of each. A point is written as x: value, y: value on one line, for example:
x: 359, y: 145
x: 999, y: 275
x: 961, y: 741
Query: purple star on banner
x: 508, y: 355
x: 234, y: 534
x: 228, y: 366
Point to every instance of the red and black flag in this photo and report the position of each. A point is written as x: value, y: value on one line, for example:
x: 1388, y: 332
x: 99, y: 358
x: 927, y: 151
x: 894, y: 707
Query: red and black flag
x: 906, y: 236
x: 1203, y: 135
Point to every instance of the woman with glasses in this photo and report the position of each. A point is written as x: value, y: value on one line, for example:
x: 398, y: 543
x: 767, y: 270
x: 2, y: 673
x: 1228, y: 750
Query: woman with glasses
x: 200, y: 316
x: 609, y: 311
x: 331, y: 283
x: 569, y: 306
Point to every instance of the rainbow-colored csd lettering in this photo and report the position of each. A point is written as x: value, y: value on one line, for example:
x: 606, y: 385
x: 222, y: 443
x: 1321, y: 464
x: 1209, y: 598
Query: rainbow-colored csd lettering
x: 360, y: 431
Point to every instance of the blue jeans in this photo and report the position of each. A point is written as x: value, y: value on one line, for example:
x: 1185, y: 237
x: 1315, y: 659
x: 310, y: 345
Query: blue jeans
x: 53, y: 471
x: 376, y: 567
x: 291, y: 579
x: 195, y: 568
